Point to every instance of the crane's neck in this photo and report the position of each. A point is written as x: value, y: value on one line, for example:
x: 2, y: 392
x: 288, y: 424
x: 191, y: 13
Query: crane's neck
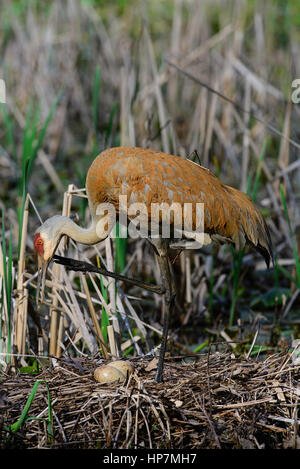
x: 81, y: 235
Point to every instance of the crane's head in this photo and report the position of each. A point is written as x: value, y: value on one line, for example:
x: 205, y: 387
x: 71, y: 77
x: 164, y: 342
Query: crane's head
x: 46, y: 240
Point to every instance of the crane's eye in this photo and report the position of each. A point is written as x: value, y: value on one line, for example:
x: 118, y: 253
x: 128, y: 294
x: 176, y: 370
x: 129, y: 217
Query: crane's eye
x: 38, y: 243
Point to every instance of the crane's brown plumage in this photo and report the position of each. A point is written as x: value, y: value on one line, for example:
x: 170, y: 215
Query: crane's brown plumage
x: 149, y: 176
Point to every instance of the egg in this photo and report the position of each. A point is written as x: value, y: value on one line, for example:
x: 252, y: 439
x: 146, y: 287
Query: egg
x: 117, y: 370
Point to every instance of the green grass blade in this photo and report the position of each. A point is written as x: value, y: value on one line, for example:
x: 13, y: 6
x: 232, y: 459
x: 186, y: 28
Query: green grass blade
x: 24, y: 415
x: 121, y: 246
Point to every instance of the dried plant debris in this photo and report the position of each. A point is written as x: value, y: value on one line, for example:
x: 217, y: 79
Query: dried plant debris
x: 212, y: 401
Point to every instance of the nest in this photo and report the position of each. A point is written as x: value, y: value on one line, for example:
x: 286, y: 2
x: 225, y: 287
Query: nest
x: 212, y: 401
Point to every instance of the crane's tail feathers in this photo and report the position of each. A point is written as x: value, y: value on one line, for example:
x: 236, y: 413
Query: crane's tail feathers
x: 264, y: 245
x: 258, y: 235
x: 251, y: 227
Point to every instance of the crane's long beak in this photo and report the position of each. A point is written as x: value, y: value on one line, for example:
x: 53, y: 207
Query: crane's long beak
x: 41, y: 282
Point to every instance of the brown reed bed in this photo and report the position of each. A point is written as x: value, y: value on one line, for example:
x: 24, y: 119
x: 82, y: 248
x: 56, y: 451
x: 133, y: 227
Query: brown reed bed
x: 211, y: 401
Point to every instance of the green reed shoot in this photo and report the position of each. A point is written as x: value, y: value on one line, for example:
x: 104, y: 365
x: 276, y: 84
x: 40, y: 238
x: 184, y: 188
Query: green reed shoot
x: 121, y: 245
x: 8, y: 285
x: 24, y: 415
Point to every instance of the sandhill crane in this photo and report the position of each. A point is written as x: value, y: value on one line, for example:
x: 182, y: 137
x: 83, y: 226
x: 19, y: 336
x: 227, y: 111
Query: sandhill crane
x: 146, y: 177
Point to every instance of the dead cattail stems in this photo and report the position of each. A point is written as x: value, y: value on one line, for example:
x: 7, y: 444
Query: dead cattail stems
x: 283, y: 157
x: 245, y: 154
x: 188, y: 277
x: 50, y: 170
x: 124, y: 108
x: 24, y: 325
x: 112, y: 298
x: 159, y: 98
x: 21, y: 308
x: 209, y: 127
x: 112, y: 342
x: 175, y: 50
x: 56, y: 321
x: 94, y: 317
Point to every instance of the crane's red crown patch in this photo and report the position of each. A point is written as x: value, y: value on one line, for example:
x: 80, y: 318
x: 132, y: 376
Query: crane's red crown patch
x: 38, y: 244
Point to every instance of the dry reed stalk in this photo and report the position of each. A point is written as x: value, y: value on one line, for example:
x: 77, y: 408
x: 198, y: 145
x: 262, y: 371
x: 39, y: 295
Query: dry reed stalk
x: 283, y: 157
x: 193, y: 135
x: 66, y: 211
x: 112, y: 299
x: 64, y: 308
x: 114, y: 349
x: 56, y: 319
x: 24, y: 314
x: 122, y: 312
x: 6, y: 313
x: 188, y: 283
x: 203, y: 118
x: 175, y: 51
x: 209, y: 126
x: 50, y: 170
x: 136, y: 419
x: 20, y: 318
x: 101, y: 301
x: 245, y: 153
x: 125, y: 345
x: 260, y: 44
x: 78, y: 317
x: 189, y: 58
x: 256, y: 82
x: 124, y: 108
x: 100, y: 337
x: 158, y: 94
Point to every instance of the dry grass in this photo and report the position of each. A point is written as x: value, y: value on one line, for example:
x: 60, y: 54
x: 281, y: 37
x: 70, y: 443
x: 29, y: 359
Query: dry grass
x: 213, y: 401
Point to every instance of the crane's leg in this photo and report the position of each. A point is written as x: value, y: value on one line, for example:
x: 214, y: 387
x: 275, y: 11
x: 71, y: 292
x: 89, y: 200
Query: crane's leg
x: 169, y: 296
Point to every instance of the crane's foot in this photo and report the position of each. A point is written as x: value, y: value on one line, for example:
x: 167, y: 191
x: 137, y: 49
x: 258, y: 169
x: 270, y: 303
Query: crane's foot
x: 159, y: 375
